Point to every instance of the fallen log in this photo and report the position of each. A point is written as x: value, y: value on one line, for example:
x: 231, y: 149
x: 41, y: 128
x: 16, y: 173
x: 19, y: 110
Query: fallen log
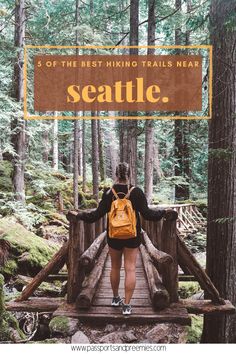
x: 207, y: 307
x: 35, y: 304
x: 87, y: 259
x: 156, y: 255
x: 57, y: 261
x: 158, y: 293
x: 90, y: 283
x: 188, y: 259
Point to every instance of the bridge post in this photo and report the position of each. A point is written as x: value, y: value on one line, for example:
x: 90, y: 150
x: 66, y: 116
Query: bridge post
x: 170, y: 271
x: 99, y: 227
x: 89, y: 235
x: 74, y: 252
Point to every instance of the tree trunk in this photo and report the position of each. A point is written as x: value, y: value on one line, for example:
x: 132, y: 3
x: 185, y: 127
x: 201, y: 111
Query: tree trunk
x: 181, y: 133
x: 84, y: 156
x: 156, y: 161
x: 55, y: 143
x: 129, y: 127
x: 112, y: 151
x: 18, y: 124
x: 221, y: 236
x: 76, y: 163
x: 80, y: 149
x: 95, y: 159
x: 101, y: 154
x: 76, y: 126
x: 1, y: 157
x: 148, y: 168
x: 149, y: 124
x: 45, y: 145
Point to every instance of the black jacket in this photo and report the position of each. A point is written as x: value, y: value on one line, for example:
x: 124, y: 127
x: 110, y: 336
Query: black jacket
x: 138, y: 200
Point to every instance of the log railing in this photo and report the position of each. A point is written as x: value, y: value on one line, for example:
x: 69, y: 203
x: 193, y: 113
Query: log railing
x: 85, y: 254
x: 189, y: 217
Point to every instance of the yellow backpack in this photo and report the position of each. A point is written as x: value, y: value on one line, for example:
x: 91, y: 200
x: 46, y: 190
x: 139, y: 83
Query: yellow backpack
x: 122, y: 217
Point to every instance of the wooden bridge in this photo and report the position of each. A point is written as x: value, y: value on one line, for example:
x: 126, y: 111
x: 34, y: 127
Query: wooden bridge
x: 155, y: 298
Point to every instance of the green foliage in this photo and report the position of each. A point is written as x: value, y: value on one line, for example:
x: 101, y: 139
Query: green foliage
x: 7, y: 320
x: 195, y: 330
x: 188, y: 289
x: 196, y: 242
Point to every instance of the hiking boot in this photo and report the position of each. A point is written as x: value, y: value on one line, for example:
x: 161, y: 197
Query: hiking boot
x: 126, y: 309
x: 116, y: 301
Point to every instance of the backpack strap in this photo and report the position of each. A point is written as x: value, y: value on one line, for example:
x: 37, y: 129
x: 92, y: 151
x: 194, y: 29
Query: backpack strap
x: 115, y: 194
x: 128, y: 194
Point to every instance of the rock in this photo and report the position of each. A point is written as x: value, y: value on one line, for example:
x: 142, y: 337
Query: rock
x: 109, y: 328
x: 62, y: 326
x: 79, y: 337
x: 114, y: 337
x: 45, y: 288
x: 119, y: 337
x: 129, y: 337
x: 33, y: 251
x: 198, y: 296
x: 167, y: 333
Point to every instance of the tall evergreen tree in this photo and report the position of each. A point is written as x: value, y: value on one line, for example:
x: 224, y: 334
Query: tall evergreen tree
x: 18, y: 124
x: 149, y: 124
x: 221, y: 232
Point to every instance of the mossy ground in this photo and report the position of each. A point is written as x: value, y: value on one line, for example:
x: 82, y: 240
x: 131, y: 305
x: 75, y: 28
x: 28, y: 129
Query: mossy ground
x: 39, y: 251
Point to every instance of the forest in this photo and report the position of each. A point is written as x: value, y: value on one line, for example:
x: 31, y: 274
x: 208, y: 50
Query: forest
x: 51, y: 166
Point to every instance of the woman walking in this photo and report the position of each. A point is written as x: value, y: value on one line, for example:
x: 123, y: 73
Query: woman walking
x: 119, y: 246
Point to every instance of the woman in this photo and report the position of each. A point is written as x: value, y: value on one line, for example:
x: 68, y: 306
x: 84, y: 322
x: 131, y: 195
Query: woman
x: 128, y: 247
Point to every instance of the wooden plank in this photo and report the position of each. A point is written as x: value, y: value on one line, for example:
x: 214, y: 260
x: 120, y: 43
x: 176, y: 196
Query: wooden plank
x: 207, y: 307
x: 57, y: 261
x: 137, y: 294
x: 186, y: 277
x: 140, y: 315
x: 122, y: 287
x: 36, y: 304
x: 60, y: 276
x: 188, y: 259
x: 106, y: 301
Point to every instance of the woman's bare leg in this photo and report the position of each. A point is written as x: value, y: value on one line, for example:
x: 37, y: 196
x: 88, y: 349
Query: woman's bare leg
x: 116, y: 258
x: 130, y: 256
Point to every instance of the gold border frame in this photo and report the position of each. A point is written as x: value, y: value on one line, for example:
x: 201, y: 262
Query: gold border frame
x: 35, y: 117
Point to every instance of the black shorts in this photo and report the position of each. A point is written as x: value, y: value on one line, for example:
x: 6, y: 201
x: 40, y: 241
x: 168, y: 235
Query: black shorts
x: 119, y: 244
